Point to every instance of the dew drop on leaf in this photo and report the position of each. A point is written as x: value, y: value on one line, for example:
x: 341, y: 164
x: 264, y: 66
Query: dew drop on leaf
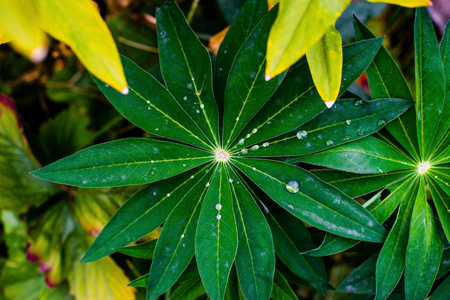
x: 255, y: 148
x: 202, y: 106
x: 348, y: 122
x: 218, y: 206
x: 330, y: 143
x: 293, y: 186
x: 237, y: 119
x: 182, y: 236
x: 230, y: 180
x: 254, y: 130
x: 381, y: 122
x: 185, y: 98
x: 241, y: 142
x: 218, y: 217
x: 359, y: 102
x: 266, y: 144
x: 244, y: 151
x: 302, y: 134
x: 168, y: 195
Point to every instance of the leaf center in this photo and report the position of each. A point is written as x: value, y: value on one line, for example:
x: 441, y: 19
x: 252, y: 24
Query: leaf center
x: 222, y: 155
x: 423, y: 167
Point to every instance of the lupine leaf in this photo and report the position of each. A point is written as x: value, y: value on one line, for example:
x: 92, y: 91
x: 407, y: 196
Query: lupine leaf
x: 247, y: 89
x: 316, y: 202
x: 186, y: 68
x: 429, y: 81
x: 424, y: 249
x: 281, y: 289
x: 176, y: 243
x: 216, y: 237
x: 391, y: 261
x: 150, y: 106
x: 443, y: 290
x: 346, y: 121
x: 361, y: 280
x: 144, y: 250
x: 123, y: 162
x: 140, y: 281
x: 444, y: 268
x: 189, y: 290
x: 296, y: 101
x: 249, y: 15
x: 255, y: 258
x: 442, y: 203
x: 365, y: 156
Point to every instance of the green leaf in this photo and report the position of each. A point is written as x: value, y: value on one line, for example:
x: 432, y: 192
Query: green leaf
x: 331, y: 244
x: 186, y: 68
x: 142, y: 214
x: 79, y: 25
x: 140, y: 281
x: 443, y: 290
x: 347, y: 120
x: 391, y: 261
x: 361, y: 280
x: 424, y: 249
x: 442, y: 203
x: 230, y: 8
x: 444, y: 268
x: 249, y: 15
x: 150, y: 106
x: 299, y: 25
x: 216, y: 237
x: 290, y: 237
x: 281, y: 289
x: 123, y: 162
x: 386, y: 81
x: 441, y: 175
x: 255, y: 257
x: 429, y: 81
x: 247, y: 89
x: 365, y: 156
x: 325, y: 62
x: 189, y: 290
x: 355, y: 185
x: 296, y: 101
x: 176, y: 243
x: 313, y: 201
x: 144, y: 250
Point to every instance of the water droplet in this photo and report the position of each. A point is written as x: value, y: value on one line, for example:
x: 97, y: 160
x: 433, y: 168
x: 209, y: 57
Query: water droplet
x: 255, y: 148
x: 84, y: 181
x: 168, y: 195
x: 152, y: 173
x: 237, y: 119
x: 302, y: 134
x: 225, y: 52
x: 154, y: 193
x: 218, y: 217
x: 266, y: 144
x: 197, y: 111
x: 193, y: 78
x: 254, y: 169
x: 184, y: 165
x: 345, y: 138
x: 156, y: 129
x: 230, y: 180
x: 435, y: 177
x: 149, y: 108
x: 439, y: 112
x: 218, y: 206
x: 348, y: 122
x: 148, y: 102
x: 381, y: 122
x: 359, y: 102
x: 254, y: 130
x: 192, y: 176
x: 182, y: 236
x: 185, y: 98
x: 244, y: 151
x: 202, y: 106
x: 207, y: 184
x: 269, y: 122
x: 241, y: 142
x: 106, y: 85
x: 293, y: 186
x: 330, y: 143
x: 360, y: 131
x: 248, y: 135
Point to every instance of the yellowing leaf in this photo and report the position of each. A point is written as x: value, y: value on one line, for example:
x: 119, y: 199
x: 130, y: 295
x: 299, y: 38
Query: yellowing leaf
x: 100, y: 280
x: 79, y: 25
x: 18, y: 20
x: 299, y: 25
x: 405, y: 3
x: 325, y: 63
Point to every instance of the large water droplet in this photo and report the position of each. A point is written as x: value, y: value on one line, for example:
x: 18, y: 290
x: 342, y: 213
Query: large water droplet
x: 330, y: 143
x: 302, y: 134
x: 218, y: 206
x: 255, y: 148
x: 254, y: 130
x: 266, y: 144
x: 218, y: 217
x: 348, y: 122
x: 241, y: 142
x: 244, y: 151
x: 293, y: 186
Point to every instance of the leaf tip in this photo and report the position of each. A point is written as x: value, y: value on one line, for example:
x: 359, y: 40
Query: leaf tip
x: 38, y: 54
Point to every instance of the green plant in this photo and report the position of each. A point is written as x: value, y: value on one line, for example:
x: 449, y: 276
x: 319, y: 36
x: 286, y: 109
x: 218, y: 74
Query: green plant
x: 205, y: 187
x: 411, y: 160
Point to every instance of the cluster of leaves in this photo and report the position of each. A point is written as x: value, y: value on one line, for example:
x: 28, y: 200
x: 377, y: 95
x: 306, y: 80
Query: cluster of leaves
x: 216, y: 177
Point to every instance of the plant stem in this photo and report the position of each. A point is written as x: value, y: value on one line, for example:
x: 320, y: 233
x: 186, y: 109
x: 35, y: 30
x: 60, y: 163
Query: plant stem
x: 192, y: 10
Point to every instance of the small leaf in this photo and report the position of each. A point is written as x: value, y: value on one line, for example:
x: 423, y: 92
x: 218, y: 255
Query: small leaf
x: 247, y: 89
x: 424, y: 249
x: 391, y: 261
x: 442, y: 203
x: 249, y: 15
x: 140, y: 281
x: 348, y: 120
x: 189, y: 290
x: 361, y: 280
x: 255, y: 257
x: 79, y: 25
x: 123, y: 162
x: 216, y: 237
x: 186, y: 68
x: 281, y: 289
x: 444, y: 268
x: 299, y: 25
x: 405, y: 3
x: 144, y: 250
x: 325, y: 63
x: 296, y: 101
x: 429, y: 81
x: 443, y: 290
x: 150, y: 106
x: 175, y: 246
x: 365, y: 156
x: 312, y: 200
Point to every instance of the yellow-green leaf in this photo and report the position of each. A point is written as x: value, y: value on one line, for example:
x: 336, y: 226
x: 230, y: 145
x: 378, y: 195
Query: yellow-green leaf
x: 325, y: 62
x: 18, y: 20
x: 79, y: 25
x: 405, y: 3
x: 299, y: 25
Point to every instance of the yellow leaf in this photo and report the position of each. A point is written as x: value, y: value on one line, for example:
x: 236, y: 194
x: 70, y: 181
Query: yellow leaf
x: 79, y: 25
x: 325, y: 62
x: 299, y: 25
x: 405, y: 3
x: 216, y: 40
x: 100, y: 280
x: 18, y: 20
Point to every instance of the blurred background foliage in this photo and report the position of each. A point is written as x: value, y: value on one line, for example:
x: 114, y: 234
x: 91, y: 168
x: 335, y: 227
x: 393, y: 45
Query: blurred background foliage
x: 53, y: 109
